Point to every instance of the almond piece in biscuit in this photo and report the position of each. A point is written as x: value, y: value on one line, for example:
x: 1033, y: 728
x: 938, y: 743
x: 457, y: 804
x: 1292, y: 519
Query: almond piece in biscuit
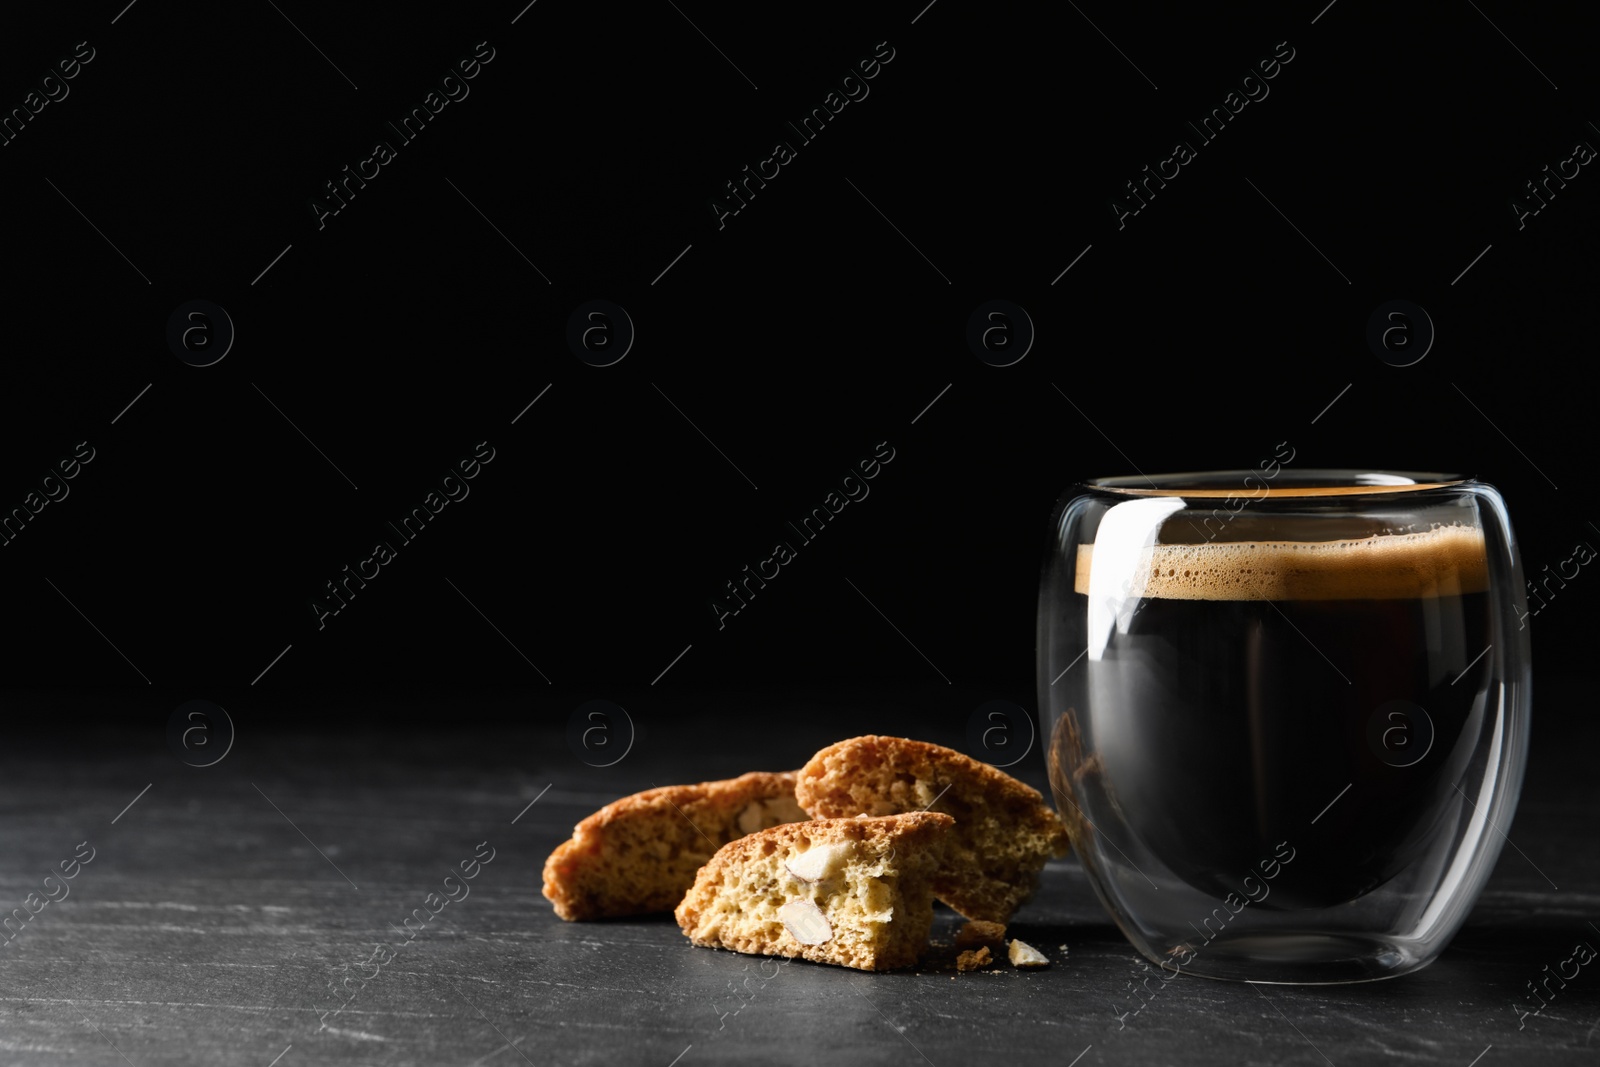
x: 870, y: 906
x: 639, y: 854
x: 1004, y: 830
x: 1025, y: 955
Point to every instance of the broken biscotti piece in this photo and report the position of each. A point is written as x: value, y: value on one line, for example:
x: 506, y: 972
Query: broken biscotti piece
x: 1004, y: 830
x: 640, y: 854
x: 855, y: 892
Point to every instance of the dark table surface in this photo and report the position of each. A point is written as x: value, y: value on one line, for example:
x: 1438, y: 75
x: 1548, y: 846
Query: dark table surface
x: 224, y: 905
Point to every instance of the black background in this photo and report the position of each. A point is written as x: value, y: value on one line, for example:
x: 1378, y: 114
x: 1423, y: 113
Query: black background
x: 796, y: 337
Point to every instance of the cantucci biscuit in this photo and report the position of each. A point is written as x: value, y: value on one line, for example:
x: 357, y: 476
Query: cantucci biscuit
x: 640, y: 854
x: 853, y: 892
x: 1004, y: 831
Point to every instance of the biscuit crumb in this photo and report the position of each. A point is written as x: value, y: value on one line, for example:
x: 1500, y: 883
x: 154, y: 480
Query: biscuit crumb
x: 972, y: 959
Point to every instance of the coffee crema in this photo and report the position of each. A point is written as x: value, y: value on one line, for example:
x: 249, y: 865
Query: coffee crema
x: 1444, y: 561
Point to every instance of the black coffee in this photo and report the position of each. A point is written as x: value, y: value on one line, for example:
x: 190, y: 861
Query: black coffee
x: 1256, y: 681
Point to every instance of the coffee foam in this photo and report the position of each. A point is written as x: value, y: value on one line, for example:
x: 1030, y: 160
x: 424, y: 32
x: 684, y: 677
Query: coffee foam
x: 1444, y: 561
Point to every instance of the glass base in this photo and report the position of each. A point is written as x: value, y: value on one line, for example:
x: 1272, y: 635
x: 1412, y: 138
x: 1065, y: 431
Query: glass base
x: 1291, y: 958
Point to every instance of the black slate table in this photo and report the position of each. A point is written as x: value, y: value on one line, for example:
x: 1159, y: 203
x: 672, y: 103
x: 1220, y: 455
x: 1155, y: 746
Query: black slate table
x: 225, y: 907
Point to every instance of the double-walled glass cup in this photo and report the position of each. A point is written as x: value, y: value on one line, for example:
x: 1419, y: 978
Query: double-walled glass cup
x: 1286, y: 712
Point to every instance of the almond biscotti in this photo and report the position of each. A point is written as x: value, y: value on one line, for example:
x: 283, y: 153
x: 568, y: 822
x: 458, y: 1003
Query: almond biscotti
x: 853, y: 892
x: 1004, y: 831
x: 639, y: 854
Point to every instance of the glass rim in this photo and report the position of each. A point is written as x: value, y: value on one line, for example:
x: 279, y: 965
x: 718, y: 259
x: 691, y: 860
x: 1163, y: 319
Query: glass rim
x: 1285, y: 484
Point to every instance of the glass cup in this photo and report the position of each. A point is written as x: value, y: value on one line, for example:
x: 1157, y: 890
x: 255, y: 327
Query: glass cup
x: 1286, y: 711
